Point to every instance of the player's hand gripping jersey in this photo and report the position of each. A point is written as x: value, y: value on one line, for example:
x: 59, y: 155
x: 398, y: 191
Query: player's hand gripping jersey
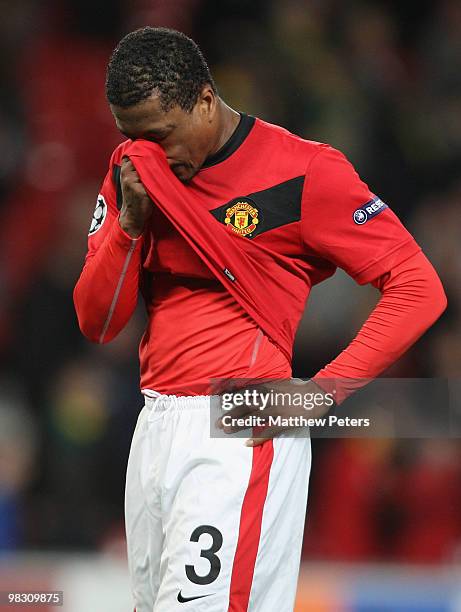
x: 234, y: 251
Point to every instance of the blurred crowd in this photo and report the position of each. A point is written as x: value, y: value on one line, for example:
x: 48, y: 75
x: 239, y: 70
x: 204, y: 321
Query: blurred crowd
x: 380, y: 80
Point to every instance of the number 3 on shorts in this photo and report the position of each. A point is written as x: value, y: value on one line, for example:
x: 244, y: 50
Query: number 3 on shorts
x: 207, y: 553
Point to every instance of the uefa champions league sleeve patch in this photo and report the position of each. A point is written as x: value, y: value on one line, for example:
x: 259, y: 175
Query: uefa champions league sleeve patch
x: 368, y: 210
x: 99, y: 215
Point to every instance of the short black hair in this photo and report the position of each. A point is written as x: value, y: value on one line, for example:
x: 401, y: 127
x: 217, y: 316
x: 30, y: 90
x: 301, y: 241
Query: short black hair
x: 161, y: 60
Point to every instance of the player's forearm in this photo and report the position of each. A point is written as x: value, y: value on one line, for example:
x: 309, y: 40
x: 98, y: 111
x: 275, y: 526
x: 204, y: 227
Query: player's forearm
x: 412, y: 300
x: 106, y: 293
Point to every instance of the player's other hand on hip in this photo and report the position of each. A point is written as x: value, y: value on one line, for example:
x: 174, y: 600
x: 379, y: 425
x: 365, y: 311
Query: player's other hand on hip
x: 275, y: 407
x: 137, y: 206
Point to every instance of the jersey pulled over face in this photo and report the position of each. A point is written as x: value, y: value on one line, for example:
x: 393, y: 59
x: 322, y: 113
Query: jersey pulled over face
x: 184, y: 136
x: 297, y: 198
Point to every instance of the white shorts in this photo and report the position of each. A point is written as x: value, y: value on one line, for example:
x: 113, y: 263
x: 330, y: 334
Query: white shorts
x: 212, y: 525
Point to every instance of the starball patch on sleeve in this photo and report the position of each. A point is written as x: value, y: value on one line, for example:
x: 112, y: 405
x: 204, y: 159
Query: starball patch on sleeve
x: 99, y: 215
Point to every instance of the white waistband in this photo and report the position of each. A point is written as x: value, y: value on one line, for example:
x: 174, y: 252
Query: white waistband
x: 160, y: 402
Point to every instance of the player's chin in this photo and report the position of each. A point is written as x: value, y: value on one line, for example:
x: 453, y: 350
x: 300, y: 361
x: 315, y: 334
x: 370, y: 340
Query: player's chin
x: 184, y: 172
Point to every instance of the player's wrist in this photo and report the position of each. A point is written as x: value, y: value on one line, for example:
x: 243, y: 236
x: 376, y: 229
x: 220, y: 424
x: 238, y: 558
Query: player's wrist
x: 134, y: 230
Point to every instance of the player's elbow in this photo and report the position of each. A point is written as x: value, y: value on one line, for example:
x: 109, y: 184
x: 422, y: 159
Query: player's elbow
x: 96, y: 329
x: 93, y: 325
x: 440, y: 301
x: 89, y: 329
x: 95, y: 332
x: 437, y: 302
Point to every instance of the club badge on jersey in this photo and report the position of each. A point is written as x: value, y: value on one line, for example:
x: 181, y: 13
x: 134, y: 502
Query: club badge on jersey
x: 99, y: 215
x: 242, y: 218
x: 368, y: 210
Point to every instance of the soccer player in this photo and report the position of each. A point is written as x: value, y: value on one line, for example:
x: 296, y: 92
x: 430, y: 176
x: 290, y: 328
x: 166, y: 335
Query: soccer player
x: 223, y: 223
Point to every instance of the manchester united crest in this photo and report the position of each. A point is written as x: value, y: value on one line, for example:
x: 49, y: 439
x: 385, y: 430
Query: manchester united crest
x: 242, y: 218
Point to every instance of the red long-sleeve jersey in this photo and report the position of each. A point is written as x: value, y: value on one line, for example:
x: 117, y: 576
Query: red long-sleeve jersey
x: 301, y: 201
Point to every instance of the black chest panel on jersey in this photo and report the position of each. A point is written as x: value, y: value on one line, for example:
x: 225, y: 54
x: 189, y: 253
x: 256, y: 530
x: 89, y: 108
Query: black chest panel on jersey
x: 270, y: 208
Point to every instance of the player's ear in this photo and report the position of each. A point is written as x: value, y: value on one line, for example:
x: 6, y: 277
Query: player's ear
x: 207, y: 102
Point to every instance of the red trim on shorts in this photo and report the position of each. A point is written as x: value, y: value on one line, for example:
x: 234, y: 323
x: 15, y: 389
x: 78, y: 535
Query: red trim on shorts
x: 250, y: 528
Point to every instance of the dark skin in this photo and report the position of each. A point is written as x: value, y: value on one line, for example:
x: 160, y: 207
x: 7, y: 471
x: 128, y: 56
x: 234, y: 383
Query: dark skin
x: 187, y: 138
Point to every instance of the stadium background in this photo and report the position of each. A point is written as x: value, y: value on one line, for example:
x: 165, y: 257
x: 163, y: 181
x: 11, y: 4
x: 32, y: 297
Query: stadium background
x: 379, y: 80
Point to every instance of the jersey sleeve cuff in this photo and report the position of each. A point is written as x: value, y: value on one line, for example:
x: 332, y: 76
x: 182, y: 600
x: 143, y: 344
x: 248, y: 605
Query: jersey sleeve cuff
x: 122, y: 239
x: 386, y: 262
